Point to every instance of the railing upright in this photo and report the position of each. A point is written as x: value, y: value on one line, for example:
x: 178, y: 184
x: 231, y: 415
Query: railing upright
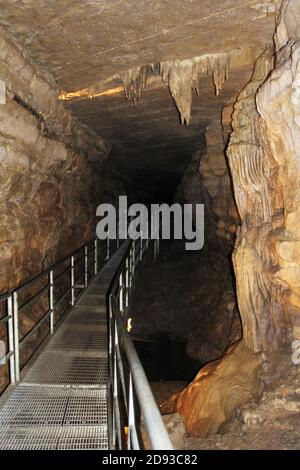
x: 15, y: 306
x: 11, y: 340
x: 51, y: 301
x: 133, y: 392
x: 72, y: 280
x: 16, y: 336
x: 127, y: 274
x: 85, y: 266
x: 141, y: 249
x: 107, y: 247
x: 121, y: 305
x: 95, y: 256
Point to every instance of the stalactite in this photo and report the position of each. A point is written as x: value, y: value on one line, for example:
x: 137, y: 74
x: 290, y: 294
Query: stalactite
x: 134, y: 81
x: 179, y: 77
x: 182, y: 77
x: 216, y: 65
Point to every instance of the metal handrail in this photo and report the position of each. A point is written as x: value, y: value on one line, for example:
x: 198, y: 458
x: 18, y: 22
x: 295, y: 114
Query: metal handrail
x: 88, y: 269
x: 14, y: 308
x: 132, y: 396
x: 35, y: 278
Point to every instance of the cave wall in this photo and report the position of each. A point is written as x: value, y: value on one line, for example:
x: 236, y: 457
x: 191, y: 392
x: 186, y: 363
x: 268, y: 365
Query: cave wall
x: 217, y: 187
x: 264, y: 159
x: 210, y: 291
x: 53, y: 173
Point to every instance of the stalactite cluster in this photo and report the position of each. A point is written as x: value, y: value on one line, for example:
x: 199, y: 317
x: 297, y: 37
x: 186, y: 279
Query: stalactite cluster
x: 134, y: 81
x: 182, y: 77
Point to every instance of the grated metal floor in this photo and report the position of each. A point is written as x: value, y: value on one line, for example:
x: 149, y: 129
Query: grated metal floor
x: 61, y: 402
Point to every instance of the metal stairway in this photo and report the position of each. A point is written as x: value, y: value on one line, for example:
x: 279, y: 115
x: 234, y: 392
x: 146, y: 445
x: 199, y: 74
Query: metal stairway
x: 62, y: 400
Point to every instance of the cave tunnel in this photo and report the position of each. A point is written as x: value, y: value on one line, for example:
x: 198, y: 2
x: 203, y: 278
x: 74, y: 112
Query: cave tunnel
x: 166, y: 102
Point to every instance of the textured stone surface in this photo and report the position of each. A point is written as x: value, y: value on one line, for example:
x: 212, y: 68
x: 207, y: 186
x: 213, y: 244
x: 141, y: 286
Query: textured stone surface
x: 278, y: 412
x: 37, y: 91
x: 84, y: 46
x: 217, y: 390
x: 191, y: 301
x: 263, y: 158
x: 176, y: 429
x: 52, y: 176
x: 216, y: 184
x: 110, y: 37
x: 263, y: 155
x: 48, y: 191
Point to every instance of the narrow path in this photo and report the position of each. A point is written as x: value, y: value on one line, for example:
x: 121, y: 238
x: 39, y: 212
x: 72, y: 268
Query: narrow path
x: 62, y: 401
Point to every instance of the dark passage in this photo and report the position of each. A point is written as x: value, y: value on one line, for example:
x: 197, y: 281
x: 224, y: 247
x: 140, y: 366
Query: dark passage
x: 165, y: 358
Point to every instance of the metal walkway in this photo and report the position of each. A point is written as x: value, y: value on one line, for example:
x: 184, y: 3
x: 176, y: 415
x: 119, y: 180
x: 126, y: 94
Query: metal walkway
x: 62, y: 400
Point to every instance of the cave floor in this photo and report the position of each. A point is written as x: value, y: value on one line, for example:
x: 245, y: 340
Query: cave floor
x: 271, y: 424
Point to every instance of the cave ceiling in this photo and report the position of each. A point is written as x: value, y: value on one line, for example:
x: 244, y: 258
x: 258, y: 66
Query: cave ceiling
x: 91, y: 44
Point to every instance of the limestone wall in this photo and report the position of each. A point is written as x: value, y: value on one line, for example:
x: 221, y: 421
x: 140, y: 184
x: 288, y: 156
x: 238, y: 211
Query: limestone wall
x: 51, y: 173
x: 264, y: 159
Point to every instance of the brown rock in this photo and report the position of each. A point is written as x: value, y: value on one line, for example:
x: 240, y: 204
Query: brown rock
x: 218, y: 389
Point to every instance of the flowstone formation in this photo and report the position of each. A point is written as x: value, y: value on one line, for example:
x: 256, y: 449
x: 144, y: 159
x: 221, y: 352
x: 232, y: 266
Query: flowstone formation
x: 263, y: 159
x: 205, y: 403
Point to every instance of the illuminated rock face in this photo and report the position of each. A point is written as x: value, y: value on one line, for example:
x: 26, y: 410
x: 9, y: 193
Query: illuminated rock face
x: 260, y: 205
x: 51, y: 174
x: 264, y: 159
x: 218, y: 389
x: 264, y: 163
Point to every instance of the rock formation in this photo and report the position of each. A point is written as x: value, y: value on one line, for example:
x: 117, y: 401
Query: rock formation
x: 218, y: 389
x: 50, y: 168
x: 263, y: 161
x: 52, y: 176
x: 238, y: 154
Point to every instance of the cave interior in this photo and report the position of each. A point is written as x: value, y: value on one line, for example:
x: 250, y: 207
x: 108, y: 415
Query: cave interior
x: 187, y: 102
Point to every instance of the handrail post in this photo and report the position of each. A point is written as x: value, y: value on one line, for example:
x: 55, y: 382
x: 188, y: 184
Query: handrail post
x: 133, y: 253
x: 121, y: 305
x: 117, y: 419
x: 72, y: 281
x: 51, y: 301
x: 86, y: 266
x: 130, y: 267
x: 132, y: 435
x: 96, y: 256
x: 127, y: 282
x: 11, y: 340
x: 16, y: 336
x: 118, y: 233
x: 107, y: 246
